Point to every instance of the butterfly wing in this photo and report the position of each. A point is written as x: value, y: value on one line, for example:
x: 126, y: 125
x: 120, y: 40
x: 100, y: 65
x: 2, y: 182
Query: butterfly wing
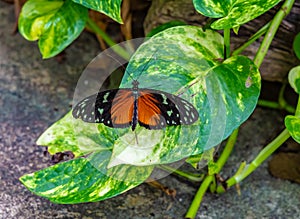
x: 113, y: 108
x: 158, y: 109
x: 122, y: 108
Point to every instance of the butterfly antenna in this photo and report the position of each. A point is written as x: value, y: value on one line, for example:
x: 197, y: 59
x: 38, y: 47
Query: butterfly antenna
x: 147, y: 64
x: 122, y: 65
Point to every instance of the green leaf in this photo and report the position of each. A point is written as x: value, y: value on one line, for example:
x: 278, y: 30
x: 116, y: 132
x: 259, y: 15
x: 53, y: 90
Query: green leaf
x: 164, y: 27
x: 55, y: 23
x: 185, y: 60
x: 294, y: 78
x: 112, y: 8
x: 292, y: 123
x: 296, y: 45
x: 181, y: 60
x: 213, y: 8
x: 85, y: 180
x: 233, y: 13
x: 81, y: 138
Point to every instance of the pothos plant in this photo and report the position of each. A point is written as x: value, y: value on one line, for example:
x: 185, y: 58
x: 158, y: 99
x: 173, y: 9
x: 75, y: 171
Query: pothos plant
x: 225, y: 88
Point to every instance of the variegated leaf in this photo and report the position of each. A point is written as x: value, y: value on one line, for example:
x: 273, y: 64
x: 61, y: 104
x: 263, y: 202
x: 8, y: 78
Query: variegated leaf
x: 292, y: 123
x: 233, y: 13
x: 112, y: 8
x: 84, y: 180
x: 294, y: 79
x: 56, y: 24
x: 187, y: 61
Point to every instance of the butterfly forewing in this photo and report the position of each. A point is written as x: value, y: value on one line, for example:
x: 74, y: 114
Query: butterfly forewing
x: 96, y: 108
x: 122, y: 108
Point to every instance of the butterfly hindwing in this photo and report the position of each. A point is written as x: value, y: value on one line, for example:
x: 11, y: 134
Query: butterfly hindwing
x: 158, y: 109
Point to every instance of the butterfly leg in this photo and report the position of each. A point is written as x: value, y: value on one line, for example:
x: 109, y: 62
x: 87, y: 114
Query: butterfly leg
x: 136, y: 137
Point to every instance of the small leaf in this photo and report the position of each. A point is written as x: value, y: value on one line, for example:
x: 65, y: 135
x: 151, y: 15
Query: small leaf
x: 84, y: 180
x: 236, y: 29
x: 233, y: 13
x: 200, y: 160
x: 111, y: 8
x: 294, y: 78
x: 296, y: 45
x: 292, y: 123
x: 56, y: 24
x: 212, y: 168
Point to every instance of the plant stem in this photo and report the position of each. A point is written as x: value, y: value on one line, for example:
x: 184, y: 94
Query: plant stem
x: 261, y: 157
x: 226, y: 43
x: 281, y: 99
x: 192, y: 211
x: 189, y: 176
x: 254, y: 37
x: 297, y: 113
x: 280, y: 104
x: 269, y: 104
x: 191, y: 214
x: 276, y: 105
x: 264, y: 47
x: 118, y: 49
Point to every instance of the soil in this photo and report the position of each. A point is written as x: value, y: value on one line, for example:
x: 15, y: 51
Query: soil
x: 34, y: 93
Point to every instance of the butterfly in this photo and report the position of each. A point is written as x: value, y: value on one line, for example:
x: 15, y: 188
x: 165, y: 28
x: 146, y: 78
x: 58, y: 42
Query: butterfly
x: 127, y: 107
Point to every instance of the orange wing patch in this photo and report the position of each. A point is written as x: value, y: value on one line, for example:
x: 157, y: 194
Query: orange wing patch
x: 122, y: 108
x: 149, y: 113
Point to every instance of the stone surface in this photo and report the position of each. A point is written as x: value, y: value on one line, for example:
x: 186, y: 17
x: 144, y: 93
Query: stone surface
x: 34, y: 93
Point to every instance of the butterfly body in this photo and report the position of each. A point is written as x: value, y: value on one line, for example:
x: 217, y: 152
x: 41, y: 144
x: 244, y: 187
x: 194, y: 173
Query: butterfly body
x: 127, y: 107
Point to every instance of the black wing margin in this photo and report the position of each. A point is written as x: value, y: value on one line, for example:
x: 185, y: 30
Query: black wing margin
x: 96, y: 108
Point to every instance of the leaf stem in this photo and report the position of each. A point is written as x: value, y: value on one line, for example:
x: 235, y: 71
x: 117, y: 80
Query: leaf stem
x: 118, y: 49
x: 226, y: 43
x: 280, y: 104
x: 261, y: 157
x: 276, y: 105
x: 189, y: 176
x: 297, y: 113
x: 192, y: 211
x: 264, y: 47
x: 254, y: 37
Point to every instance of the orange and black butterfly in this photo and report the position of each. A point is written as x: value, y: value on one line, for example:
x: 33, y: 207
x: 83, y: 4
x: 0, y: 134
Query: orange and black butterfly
x: 127, y: 107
